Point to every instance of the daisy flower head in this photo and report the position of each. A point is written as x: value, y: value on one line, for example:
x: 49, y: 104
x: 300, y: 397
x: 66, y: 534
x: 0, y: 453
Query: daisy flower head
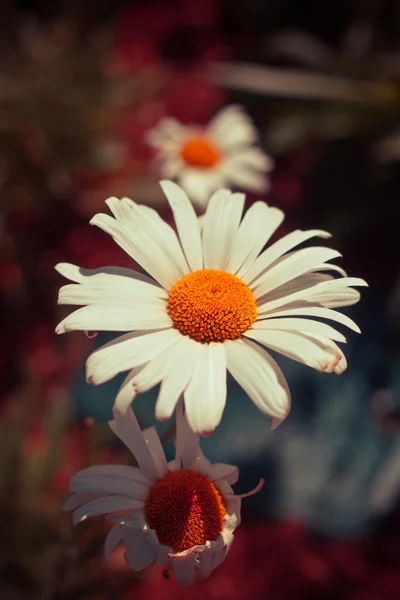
x: 213, y: 300
x: 204, y: 159
x: 180, y: 514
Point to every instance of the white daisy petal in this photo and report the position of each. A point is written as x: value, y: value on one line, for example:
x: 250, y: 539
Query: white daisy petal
x: 227, y: 472
x: 184, y: 570
x: 299, y: 263
x: 200, y: 184
x: 205, y: 396
x: 186, y: 223
x: 320, y: 354
x: 106, y: 484
x: 303, y: 325
x: 107, y: 504
x: 244, y: 178
x: 213, y: 249
x: 258, y: 224
x: 119, y: 279
x: 139, y: 552
x: 252, y: 158
x: 187, y: 442
x: 114, y: 537
x: 260, y: 377
x: 271, y: 254
x: 125, y: 352
x: 231, y: 127
x: 139, y: 245
x: 176, y: 380
x: 78, y: 499
x: 115, y: 318
x: 126, y: 427
x: 153, y: 442
x: 316, y: 311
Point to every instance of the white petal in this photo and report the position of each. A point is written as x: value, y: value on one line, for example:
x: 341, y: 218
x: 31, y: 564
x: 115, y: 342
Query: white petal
x: 260, y: 377
x: 227, y: 472
x: 297, y: 264
x: 112, y: 291
x: 280, y: 247
x: 128, y: 430
x: 139, y: 552
x: 200, y: 184
x: 187, y: 442
x: 153, y: 442
x: 205, y: 396
x: 316, y: 311
x: 113, y: 277
x: 293, y: 324
x: 115, y: 318
x: 245, y: 178
x: 114, y: 537
x: 258, y: 224
x: 126, y: 352
x: 329, y: 294
x: 184, y: 569
x: 186, y: 224
x: 251, y: 158
x: 103, y: 484
x: 177, y: 378
x: 213, y: 250
x: 231, y: 128
x: 139, y: 244
x: 78, y: 499
x: 105, y: 505
x: 320, y: 354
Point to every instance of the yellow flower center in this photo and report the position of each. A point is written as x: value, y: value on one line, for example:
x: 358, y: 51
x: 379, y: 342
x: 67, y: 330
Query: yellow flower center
x: 185, y: 509
x: 211, y: 306
x: 199, y: 152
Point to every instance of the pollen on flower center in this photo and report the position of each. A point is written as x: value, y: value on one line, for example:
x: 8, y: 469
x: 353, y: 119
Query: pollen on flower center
x: 185, y: 509
x: 211, y: 306
x: 199, y: 152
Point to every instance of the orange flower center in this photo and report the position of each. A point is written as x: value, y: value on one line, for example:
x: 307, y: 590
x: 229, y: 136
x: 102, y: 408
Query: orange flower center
x: 199, y: 152
x: 185, y: 509
x: 211, y: 306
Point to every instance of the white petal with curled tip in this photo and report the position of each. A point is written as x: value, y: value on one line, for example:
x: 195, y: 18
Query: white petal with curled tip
x: 213, y: 250
x: 258, y: 224
x: 139, y: 551
x: 127, y: 429
x: 178, y: 377
x: 115, y: 318
x: 260, y: 377
x: 157, y: 451
x: 114, y: 537
x: 316, y: 311
x: 314, y: 352
x: 297, y: 264
x: 127, y: 351
x: 271, y: 254
x: 205, y: 396
x: 186, y: 224
x: 294, y: 324
x: 105, y: 505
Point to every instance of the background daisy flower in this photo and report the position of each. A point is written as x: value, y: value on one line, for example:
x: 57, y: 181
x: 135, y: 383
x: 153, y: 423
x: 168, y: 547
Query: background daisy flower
x: 180, y: 514
x: 213, y: 300
x: 204, y: 159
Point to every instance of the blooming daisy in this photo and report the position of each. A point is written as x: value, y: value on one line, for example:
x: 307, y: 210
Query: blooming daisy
x: 206, y: 159
x: 180, y: 514
x: 214, y: 298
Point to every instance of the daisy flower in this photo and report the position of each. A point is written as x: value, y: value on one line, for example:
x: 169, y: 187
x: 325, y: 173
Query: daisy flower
x: 180, y: 514
x: 206, y: 159
x: 214, y: 298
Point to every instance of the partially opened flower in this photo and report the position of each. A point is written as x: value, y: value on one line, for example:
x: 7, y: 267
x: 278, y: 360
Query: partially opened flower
x: 180, y: 514
x: 204, y: 159
x: 214, y: 299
